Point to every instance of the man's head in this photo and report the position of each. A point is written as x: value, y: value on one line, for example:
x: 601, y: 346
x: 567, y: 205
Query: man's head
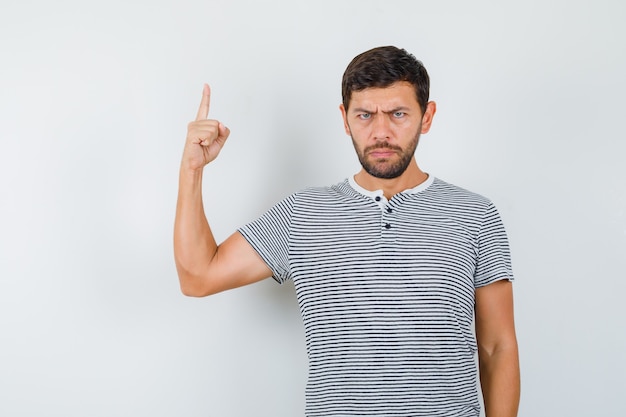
x: 385, y: 109
x: 381, y: 67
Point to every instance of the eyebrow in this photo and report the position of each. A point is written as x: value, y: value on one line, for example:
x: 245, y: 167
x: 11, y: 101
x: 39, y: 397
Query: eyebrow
x: 363, y: 110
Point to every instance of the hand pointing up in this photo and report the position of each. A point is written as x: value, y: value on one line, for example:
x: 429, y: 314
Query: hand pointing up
x: 205, y: 137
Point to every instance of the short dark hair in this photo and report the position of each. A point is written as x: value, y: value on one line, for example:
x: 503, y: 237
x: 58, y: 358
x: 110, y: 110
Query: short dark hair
x: 382, y: 66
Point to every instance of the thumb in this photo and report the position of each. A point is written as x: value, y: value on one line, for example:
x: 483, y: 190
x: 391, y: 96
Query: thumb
x: 223, y: 131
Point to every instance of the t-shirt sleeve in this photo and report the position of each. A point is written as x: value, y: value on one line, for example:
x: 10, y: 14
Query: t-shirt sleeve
x: 494, y: 257
x: 269, y: 236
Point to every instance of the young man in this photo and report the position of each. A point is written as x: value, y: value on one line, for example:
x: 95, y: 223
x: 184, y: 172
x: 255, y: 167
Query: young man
x: 392, y: 267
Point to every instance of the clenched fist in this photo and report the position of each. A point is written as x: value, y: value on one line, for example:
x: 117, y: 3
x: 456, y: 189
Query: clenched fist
x: 205, y: 137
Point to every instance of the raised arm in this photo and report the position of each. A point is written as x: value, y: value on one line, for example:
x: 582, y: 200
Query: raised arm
x: 203, y: 266
x: 497, y: 349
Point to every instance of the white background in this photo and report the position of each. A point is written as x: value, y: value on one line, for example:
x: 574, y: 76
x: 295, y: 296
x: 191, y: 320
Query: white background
x: 95, y: 98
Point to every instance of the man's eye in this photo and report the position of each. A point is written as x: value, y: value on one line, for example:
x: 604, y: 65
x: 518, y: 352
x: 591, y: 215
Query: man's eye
x: 364, y: 116
x: 399, y: 114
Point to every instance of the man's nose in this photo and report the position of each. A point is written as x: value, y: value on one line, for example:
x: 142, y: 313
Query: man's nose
x: 382, y: 127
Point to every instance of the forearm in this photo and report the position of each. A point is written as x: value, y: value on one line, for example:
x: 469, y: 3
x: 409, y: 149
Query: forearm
x: 194, y: 244
x: 500, y: 381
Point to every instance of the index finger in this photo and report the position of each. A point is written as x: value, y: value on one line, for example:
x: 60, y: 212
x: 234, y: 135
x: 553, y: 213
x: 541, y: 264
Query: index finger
x: 203, y: 110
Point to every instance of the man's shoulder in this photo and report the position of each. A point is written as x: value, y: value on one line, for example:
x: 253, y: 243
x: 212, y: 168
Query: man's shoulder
x: 339, y: 188
x: 444, y: 197
x: 448, y: 190
x: 338, y: 196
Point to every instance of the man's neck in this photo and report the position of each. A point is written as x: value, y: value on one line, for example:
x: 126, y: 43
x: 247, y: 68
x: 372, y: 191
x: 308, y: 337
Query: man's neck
x: 410, y: 178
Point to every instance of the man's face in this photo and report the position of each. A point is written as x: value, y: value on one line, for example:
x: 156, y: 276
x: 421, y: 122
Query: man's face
x: 385, y: 125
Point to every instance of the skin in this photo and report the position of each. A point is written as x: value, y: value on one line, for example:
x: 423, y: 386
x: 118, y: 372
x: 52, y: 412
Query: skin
x: 203, y: 267
x: 385, y: 125
x: 498, y: 356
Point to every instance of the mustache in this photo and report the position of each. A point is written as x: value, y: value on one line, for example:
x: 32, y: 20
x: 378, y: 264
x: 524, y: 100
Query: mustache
x: 383, y: 145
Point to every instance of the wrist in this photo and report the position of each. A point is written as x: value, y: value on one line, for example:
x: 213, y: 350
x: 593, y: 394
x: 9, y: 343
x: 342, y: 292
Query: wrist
x: 190, y: 175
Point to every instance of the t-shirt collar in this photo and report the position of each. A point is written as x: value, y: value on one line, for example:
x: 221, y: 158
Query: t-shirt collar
x: 379, y: 193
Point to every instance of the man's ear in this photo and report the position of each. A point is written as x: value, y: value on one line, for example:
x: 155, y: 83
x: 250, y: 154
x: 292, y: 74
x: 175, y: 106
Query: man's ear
x: 344, y: 114
x: 429, y: 114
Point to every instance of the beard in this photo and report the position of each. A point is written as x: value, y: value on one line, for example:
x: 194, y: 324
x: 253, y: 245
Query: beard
x: 386, y: 168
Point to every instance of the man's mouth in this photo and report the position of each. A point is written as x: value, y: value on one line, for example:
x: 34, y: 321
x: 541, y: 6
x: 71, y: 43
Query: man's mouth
x: 381, y: 151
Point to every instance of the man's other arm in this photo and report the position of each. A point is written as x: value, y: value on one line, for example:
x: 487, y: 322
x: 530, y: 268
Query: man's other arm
x: 497, y: 349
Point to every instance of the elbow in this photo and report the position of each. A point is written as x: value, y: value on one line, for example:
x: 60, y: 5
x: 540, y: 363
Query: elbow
x: 191, y: 290
x: 503, y: 347
x: 192, y: 285
x: 493, y: 357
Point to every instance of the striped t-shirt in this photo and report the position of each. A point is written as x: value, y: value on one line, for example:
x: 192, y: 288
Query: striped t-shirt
x: 386, y: 293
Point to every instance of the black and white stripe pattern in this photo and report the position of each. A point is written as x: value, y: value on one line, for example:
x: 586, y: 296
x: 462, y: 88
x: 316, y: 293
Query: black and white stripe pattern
x: 386, y: 292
